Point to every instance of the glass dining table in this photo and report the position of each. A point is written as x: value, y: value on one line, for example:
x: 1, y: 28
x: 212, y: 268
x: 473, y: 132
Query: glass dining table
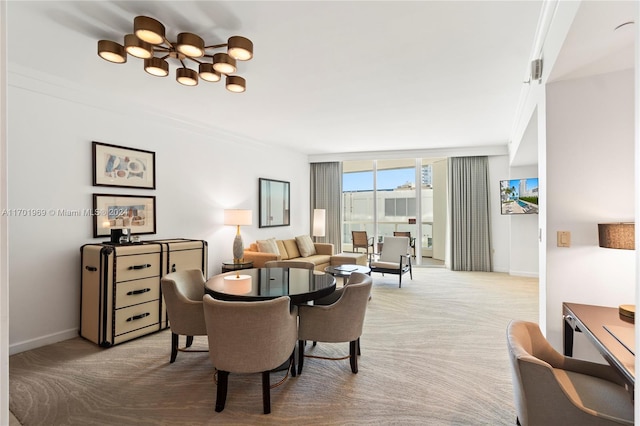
x: 301, y: 285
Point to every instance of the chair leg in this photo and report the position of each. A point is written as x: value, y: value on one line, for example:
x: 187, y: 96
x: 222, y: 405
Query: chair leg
x: 292, y: 360
x: 359, y: 353
x: 301, y: 344
x: 353, y: 356
x: 221, y: 397
x: 266, y: 392
x: 174, y: 347
x: 189, y: 341
x: 517, y: 421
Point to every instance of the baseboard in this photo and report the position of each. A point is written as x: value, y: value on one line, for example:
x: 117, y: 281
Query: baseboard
x: 524, y: 274
x: 42, y: 341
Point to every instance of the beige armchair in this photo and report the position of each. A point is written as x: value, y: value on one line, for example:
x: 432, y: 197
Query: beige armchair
x: 183, y: 292
x: 341, y: 321
x: 289, y: 264
x: 394, y: 258
x: 249, y: 337
x: 551, y: 389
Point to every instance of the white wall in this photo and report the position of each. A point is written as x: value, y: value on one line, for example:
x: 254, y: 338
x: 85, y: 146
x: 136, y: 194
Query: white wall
x: 589, y: 180
x: 523, y: 241
x: 440, y: 214
x: 49, y: 152
x: 4, y: 280
x: 500, y: 256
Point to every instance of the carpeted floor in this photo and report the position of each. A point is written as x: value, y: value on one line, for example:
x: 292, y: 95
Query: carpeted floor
x: 433, y: 353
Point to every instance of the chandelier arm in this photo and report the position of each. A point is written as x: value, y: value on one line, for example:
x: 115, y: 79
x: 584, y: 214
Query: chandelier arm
x: 193, y: 59
x: 216, y: 46
x: 162, y: 48
x: 167, y: 42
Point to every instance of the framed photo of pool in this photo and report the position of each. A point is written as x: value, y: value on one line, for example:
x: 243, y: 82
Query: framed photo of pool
x: 519, y: 196
x: 138, y: 213
x: 115, y: 165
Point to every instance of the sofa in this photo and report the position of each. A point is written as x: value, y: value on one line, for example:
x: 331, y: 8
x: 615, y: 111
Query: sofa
x: 299, y: 248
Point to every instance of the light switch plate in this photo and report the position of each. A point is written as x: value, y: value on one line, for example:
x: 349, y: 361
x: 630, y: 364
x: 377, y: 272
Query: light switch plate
x: 564, y: 239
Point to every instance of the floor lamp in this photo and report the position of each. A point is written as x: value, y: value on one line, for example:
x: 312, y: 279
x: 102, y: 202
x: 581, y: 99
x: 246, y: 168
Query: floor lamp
x: 319, y: 222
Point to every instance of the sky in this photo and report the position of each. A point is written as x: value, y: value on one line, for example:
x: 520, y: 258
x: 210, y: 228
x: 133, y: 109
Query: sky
x: 387, y: 179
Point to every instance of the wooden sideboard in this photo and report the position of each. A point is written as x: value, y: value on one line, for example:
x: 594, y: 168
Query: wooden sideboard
x: 121, y: 298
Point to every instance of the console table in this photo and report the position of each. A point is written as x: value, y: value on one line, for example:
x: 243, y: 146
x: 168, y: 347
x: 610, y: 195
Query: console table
x: 606, y: 331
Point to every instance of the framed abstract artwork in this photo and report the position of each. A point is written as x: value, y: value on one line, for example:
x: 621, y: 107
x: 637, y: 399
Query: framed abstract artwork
x: 115, y: 165
x: 137, y: 213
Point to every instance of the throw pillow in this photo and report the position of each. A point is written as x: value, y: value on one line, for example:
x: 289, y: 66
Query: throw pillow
x: 306, y: 246
x: 268, y: 246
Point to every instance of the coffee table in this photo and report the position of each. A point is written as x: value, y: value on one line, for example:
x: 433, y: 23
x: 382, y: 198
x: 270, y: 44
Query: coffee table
x: 345, y: 271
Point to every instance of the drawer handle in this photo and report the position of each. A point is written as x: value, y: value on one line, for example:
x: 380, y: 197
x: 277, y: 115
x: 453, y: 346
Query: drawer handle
x: 137, y: 317
x: 143, y: 290
x: 91, y: 268
x: 148, y: 265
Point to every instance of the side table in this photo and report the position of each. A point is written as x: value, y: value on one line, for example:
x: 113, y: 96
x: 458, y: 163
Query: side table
x: 345, y: 271
x: 230, y: 265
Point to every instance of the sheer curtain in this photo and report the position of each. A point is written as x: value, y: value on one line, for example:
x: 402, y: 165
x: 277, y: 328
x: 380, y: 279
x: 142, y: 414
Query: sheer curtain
x: 470, y: 228
x: 326, y: 193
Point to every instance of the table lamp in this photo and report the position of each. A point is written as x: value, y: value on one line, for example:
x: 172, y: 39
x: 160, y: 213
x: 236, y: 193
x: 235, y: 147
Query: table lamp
x: 237, y: 217
x: 319, y: 221
x: 619, y: 236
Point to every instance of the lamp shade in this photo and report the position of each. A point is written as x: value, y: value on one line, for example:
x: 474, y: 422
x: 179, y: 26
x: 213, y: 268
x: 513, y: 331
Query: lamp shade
x: 237, y: 217
x: 617, y: 235
x: 319, y: 219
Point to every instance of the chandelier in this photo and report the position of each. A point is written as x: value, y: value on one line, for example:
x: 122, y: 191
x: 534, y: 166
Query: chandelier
x: 148, y: 42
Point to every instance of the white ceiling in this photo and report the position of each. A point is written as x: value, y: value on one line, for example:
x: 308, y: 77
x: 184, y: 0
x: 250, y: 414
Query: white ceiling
x: 327, y: 76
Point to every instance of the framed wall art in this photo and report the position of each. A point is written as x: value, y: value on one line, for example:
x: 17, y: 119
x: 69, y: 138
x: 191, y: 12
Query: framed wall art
x: 115, y: 165
x: 274, y: 203
x: 137, y: 213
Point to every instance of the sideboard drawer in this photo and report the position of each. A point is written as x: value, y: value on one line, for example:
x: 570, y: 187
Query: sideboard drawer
x: 138, y: 266
x: 137, y: 291
x: 136, y: 316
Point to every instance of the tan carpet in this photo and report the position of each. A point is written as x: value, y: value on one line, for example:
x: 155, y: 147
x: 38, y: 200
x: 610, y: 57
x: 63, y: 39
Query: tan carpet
x: 433, y: 352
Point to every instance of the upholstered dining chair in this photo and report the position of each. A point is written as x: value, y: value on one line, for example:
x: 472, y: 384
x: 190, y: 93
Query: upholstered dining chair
x: 341, y: 321
x: 552, y: 389
x: 394, y: 258
x: 183, y: 292
x: 360, y: 239
x: 354, y: 278
x: 289, y: 264
x: 250, y: 337
x: 412, y: 240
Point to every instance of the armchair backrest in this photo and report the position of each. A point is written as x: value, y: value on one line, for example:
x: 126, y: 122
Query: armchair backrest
x: 360, y: 238
x: 358, y: 277
x: 402, y: 234
x: 532, y: 360
x: 289, y: 264
x: 393, y: 248
x: 250, y: 337
x: 188, y: 284
x: 341, y: 321
x: 183, y: 292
